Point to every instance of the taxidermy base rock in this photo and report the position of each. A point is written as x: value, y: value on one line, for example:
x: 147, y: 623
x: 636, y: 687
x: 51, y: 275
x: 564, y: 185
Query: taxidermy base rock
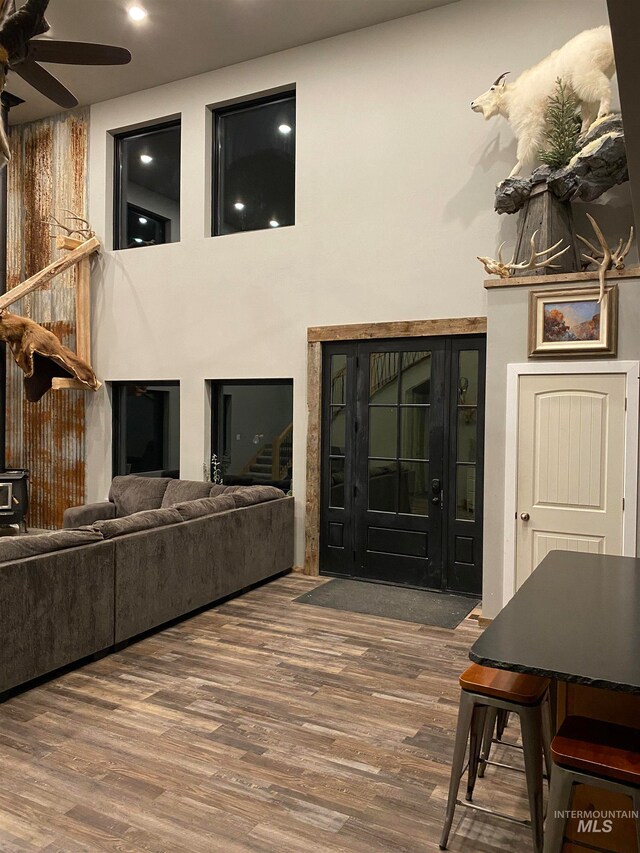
x: 599, y: 165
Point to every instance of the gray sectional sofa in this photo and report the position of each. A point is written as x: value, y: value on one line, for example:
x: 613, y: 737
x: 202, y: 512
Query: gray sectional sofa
x: 157, y: 550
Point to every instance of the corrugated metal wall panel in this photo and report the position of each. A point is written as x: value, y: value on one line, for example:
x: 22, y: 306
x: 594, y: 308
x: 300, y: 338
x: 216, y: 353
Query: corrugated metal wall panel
x: 48, y: 173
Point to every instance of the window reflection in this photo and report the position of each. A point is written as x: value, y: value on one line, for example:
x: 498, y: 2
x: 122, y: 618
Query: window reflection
x: 148, y: 187
x: 146, y: 428
x: 255, y: 165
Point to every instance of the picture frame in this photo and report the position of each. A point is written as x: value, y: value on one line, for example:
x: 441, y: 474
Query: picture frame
x: 570, y: 323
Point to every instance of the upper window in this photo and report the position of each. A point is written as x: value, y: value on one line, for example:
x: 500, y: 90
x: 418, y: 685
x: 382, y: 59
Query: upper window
x: 146, y: 428
x: 147, y: 187
x: 255, y: 167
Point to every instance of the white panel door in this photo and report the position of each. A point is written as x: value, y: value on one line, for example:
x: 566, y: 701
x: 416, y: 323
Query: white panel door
x: 571, y: 453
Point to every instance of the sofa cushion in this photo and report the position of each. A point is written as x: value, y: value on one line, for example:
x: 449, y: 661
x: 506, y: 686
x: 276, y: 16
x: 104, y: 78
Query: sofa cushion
x: 249, y: 495
x: 185, y: 490
x: 145, y: 520
x: 132, y: 493
x: 18, y: 547
x: 205, y: 506
x: 217, y: 489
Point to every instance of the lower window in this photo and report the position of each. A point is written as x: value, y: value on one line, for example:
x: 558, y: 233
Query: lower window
x: 146, y: 428
x: 252, y: 432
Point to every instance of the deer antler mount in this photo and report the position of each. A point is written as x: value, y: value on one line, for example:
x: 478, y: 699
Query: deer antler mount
x: 605, y: 258
x: 535, y: 261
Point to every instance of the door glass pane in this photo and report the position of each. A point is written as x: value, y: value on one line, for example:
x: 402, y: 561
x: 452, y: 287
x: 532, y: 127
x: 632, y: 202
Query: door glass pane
x: 468, y: 378
x: 416, y: 377
x: 414, y: 488
x: 338, y: 430
x: 383, y: 431
x: 467, y: 433
x: 414, y: 425
x: 338, y: 378
x: 382, y: 486
x: 383, y: 377
x: 336, y: 490
x: 466, y: 492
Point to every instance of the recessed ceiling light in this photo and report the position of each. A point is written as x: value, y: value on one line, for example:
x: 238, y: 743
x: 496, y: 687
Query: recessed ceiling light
x: 143, y: 220
x: 137, y: 13
x: 239, y: 205
x: 284, y: 128
x: 274, y: 223
x: 146, y: 159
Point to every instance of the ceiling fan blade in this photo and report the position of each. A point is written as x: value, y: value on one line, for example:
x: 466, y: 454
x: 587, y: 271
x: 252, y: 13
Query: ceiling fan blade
x: 77, y: 52
x: 7, y: 8
x: 45, y: 83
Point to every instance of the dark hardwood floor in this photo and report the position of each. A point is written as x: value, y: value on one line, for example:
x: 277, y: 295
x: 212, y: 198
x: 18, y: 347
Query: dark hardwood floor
x: 260, y: 725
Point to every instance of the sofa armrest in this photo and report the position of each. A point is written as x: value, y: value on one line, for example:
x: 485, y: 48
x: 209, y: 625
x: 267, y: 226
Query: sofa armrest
x: 77, y: 516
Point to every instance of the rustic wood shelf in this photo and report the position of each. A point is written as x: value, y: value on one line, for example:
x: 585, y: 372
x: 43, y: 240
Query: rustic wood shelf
x: 562, y: 278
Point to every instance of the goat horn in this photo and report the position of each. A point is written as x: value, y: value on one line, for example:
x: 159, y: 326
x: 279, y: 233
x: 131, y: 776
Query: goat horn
x: 501, y: 78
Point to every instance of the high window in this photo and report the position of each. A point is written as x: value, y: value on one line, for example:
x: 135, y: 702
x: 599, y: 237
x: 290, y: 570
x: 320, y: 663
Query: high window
x: 147, y: 187
x: 254, y: 174
x: 252, y: 431
x: 146, y: 428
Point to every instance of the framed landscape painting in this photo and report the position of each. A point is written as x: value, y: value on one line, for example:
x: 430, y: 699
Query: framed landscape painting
x: 571, y: 322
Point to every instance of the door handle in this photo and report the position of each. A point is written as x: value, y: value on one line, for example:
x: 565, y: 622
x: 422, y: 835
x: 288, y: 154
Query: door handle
x: 525, y: 516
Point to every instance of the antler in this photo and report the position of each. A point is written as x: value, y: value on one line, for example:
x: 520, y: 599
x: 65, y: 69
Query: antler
x: 533, y: 263
x: 603, y: 257
x: 498, y: 267
x: 84, y: 233
x: 617, y: 257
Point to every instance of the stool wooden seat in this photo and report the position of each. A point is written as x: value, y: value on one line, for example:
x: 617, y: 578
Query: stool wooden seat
x: 604, y: 749
x: 590, y: 752
x: 512, y: 686
x: 486, y: 693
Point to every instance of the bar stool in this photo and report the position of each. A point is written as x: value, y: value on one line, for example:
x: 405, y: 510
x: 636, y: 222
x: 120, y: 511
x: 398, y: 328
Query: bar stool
x: 485, y: 689
x: 590, y: 752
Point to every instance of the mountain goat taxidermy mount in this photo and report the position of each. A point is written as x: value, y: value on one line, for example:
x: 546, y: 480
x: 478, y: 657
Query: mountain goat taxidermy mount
x: 585, y: 64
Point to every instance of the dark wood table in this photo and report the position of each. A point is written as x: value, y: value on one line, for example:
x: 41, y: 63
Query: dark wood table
x: 576, y: 619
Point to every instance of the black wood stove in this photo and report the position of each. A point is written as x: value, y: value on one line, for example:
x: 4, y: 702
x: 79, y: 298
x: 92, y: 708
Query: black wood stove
x: 14, y: 497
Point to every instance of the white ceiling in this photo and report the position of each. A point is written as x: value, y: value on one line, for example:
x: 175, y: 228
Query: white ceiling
x: 181, y: 38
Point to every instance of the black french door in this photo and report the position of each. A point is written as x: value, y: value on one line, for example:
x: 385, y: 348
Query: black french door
x: 402, y: 441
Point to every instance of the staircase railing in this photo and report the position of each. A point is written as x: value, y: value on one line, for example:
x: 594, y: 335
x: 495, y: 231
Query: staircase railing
x: 282, y: 453
x: 385, y: 367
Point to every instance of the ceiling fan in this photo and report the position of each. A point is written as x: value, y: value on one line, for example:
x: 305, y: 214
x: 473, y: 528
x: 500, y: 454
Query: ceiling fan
x: 22, y: 53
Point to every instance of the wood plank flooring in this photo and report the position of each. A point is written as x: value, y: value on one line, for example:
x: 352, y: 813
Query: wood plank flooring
x: 261, y: 725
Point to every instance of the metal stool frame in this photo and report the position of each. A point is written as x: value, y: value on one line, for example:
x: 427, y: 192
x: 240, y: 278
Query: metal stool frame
x: 536, y: 726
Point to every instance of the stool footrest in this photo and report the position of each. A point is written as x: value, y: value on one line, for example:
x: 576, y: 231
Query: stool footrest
x: 501, y: 815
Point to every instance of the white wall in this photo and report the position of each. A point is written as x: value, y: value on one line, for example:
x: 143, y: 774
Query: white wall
x: 395, y: 182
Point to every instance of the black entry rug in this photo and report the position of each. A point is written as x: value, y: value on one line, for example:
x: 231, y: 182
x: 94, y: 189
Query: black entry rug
x: 440, y: 609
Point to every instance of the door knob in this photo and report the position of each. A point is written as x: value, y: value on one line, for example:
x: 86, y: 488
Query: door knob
x: 525, y: 516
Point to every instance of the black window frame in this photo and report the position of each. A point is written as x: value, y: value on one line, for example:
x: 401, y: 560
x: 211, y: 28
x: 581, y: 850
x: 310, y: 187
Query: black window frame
x: 217, y: 114
x: 220, y: 410
x: 118, y: 139
x: 118, y: 418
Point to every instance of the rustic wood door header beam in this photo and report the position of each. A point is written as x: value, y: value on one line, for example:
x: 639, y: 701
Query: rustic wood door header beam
x: 398, y: 329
